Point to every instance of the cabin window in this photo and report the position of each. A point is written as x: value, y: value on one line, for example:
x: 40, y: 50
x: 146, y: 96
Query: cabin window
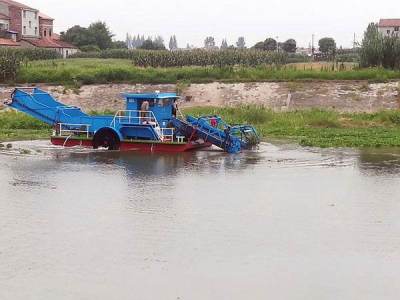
x: 24, y: 29
x: 164, y: 102
x: 24, y: 14
x: 45, y: 33
x: 49, y: 32
x: 35, y: 30
x: 388, y: 31
x: 36, y: 15
x: 30, y: 24
x: 66, y: 53
x: 396, y: 28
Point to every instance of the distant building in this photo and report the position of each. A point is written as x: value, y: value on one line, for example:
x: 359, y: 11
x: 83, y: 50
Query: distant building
x: 389, y: 27
x: 23, y: 26
x: 304, y: 51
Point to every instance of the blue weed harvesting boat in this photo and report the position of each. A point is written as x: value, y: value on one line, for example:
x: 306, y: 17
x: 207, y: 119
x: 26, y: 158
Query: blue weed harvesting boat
x: 151, y: 122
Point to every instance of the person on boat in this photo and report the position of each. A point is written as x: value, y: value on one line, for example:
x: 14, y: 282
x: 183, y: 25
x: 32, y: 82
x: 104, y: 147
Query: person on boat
x: 144, y: 111
x: 174, y: 109
x: 214, y: 122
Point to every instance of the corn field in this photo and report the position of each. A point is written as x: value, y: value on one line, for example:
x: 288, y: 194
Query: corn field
x: 164, y: 59
x: 9, y: 65
x: 11, y: 60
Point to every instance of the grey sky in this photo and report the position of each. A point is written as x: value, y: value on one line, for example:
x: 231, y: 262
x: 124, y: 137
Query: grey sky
x: 193, y: 20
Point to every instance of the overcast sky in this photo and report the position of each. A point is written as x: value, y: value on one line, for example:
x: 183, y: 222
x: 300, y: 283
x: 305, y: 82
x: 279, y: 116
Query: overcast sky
x: 193, y: 20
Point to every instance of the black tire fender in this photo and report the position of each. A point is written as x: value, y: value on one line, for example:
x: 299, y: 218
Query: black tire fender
x: 106, y: 138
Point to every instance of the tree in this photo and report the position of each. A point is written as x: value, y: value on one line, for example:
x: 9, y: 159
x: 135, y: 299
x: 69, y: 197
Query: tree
x: 224, y: 44
x: 90, y: 48
x: 259, y: 46
x: 372, y: 47
x: 119, y: 45
x: 241, y: 43
x: 78, y: 36
x: 173, y: 43
x: 97, y: 34
x: 129, y: 41
x: 209, y: 42
x: 270, y: 44
x: 289, y: 46
x: 327, y: 46
x: 101, y: 34
x: 159, y: 42
x: 378, y: 50
x: 149, y: 44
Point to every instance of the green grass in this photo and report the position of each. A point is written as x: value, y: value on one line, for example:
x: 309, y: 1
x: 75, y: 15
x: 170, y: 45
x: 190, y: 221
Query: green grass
x: 7, y: 135
x: 18, y: 126
x: 91, y: 71
x: 316, y: 128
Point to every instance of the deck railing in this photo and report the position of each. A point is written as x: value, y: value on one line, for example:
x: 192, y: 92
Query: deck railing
x: 140, y: 117
x: 66, y: 129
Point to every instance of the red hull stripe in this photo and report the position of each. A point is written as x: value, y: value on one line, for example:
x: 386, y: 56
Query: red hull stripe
x: 142, y: 146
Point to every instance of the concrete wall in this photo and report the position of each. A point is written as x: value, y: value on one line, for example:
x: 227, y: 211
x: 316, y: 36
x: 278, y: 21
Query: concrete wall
x: 68, y: 51
x: 389, y: 31
x: 30, y: 23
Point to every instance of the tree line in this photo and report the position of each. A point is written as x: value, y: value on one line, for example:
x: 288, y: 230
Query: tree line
x: 378, y: 50
x: 97, y: 36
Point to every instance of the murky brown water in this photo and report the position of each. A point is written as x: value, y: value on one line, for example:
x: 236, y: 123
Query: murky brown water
x: 280, y: 223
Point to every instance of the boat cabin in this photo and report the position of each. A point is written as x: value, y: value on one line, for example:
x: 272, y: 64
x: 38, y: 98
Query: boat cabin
x: 161, y: 105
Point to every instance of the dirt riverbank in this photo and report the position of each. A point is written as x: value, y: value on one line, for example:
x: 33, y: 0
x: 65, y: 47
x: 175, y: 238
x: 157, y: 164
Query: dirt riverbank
x: 349, y: 96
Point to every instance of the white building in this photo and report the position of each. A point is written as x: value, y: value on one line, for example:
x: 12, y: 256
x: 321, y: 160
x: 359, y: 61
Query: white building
x: 30, y: 23
x: 389, y: 27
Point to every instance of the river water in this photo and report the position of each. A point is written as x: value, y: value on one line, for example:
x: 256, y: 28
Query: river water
x: 282, y: 222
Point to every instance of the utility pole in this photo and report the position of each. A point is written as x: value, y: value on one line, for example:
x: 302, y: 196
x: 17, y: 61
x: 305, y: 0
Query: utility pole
x: 312, y: 44
x: 277, y: 43
x: 354, y: 41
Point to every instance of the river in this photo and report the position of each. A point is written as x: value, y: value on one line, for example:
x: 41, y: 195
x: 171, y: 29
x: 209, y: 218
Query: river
x: 282, y: 222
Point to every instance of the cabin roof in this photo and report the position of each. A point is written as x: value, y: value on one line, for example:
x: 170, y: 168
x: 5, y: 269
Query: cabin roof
x: 150, y: 95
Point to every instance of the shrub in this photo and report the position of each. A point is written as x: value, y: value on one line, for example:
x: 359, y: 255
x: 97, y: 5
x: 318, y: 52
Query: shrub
x: 90, y: 48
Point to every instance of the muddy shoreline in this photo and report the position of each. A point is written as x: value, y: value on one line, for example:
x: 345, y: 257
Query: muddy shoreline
x: 346, y: 96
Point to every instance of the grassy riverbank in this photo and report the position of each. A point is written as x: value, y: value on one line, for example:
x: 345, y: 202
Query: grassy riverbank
x: 18, y: 126
x: 309, y: 128
x: 316, y: 127
x: 91, y: 71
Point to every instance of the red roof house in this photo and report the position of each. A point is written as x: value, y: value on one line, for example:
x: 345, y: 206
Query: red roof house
x: 389, y: 27
x: 30, y: 28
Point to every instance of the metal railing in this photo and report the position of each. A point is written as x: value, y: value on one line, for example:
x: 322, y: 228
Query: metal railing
x: 167, y: 134
x: 139, y: 117
x: 66, y: 129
